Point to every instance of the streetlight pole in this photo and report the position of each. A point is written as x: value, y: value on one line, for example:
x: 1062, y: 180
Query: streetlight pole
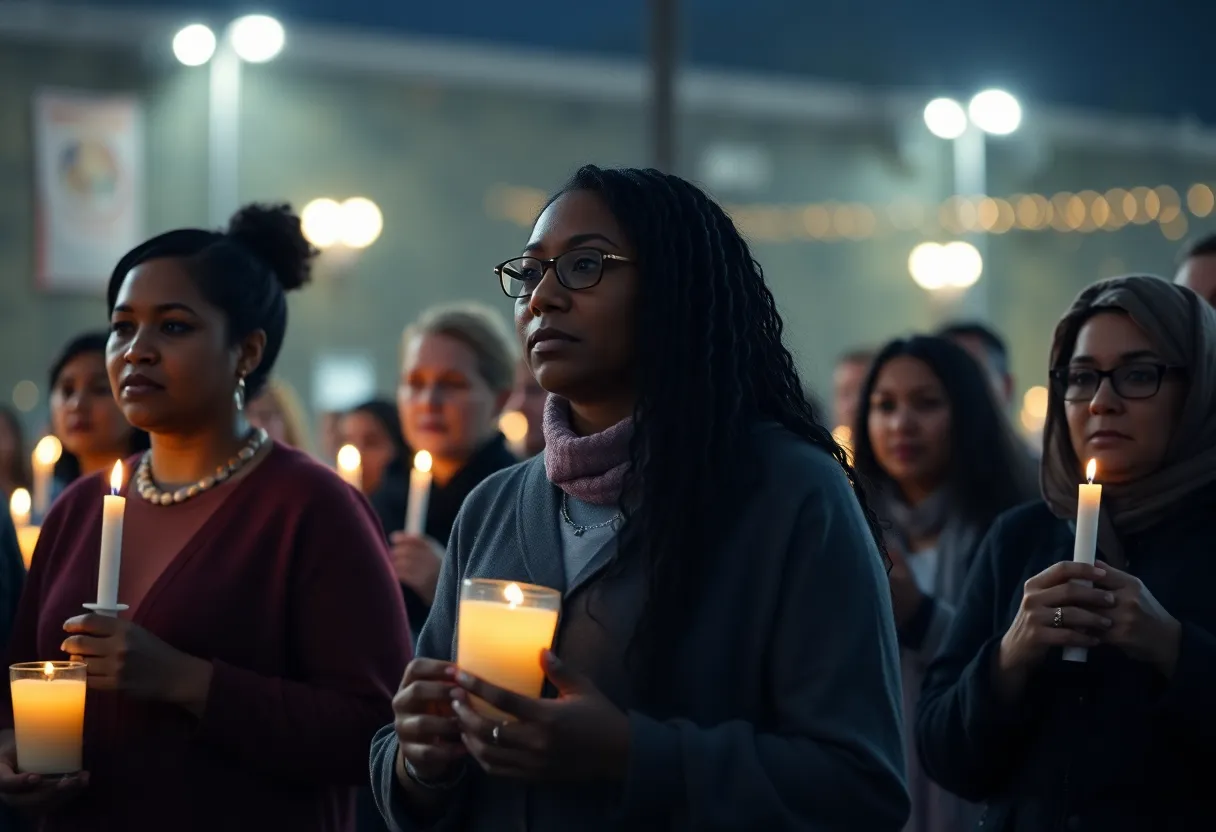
x: 664, y: 21
x: 971, y: 179
x: 224, y: 134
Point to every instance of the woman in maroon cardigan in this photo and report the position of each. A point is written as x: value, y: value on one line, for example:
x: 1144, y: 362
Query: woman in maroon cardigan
x: 265, y: 634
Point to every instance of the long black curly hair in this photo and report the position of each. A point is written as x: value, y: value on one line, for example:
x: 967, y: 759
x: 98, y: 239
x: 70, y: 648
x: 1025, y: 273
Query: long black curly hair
x: 714, y: 365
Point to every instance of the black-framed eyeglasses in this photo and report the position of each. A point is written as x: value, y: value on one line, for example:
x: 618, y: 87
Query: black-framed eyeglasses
x: 578, y: 268
x: 1139, y: 380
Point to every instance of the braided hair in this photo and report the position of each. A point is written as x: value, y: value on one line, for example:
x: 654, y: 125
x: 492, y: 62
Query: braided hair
x: 714, y: 366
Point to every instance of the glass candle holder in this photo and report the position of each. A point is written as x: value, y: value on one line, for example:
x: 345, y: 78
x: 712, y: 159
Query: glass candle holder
x: 48, y: 715
x: 501, y: 628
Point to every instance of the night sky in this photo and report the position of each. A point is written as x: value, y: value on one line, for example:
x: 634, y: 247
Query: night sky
x: 1131, y: 56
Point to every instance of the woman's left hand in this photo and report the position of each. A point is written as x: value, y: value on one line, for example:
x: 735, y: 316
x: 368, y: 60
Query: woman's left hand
x: 578, y: 736
x: 906, y: 596
x: 124, y: 656
x: 1140, y: 627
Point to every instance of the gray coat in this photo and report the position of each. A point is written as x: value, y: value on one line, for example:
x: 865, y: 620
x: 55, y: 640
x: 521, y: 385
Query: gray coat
x: 787, y: 691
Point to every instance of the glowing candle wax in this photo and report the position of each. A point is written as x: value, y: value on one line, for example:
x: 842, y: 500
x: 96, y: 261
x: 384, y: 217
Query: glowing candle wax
x: 113, y: 507
x: 27, y: 535
x: 1085, y: 547
x: 46, y: 454
x: 420, y: 493
x: 500, y: 630
x: 48, y: 716
x: 350, y: 466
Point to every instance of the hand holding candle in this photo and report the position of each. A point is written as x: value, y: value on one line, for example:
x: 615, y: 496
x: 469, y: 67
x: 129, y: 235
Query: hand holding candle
x: 419, y: 495
x: 27, y: 534
x: 46, y: 454
x: 350, y: 466
x: 1085, y: 547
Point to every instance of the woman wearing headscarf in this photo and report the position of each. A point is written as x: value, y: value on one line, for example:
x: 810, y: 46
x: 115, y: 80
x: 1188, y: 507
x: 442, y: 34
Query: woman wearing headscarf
x: 1125, y: 740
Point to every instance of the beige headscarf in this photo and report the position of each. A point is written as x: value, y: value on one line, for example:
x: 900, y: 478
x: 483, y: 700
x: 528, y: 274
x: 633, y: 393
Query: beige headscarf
x: 1182, y: 327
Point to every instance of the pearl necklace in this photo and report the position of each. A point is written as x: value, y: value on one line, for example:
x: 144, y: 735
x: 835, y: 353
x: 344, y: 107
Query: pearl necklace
x: 152, y: 493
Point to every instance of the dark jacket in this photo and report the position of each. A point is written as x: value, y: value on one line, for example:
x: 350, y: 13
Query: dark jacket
x: 392, y: 499
x: 784, y: 712
x: 1107, y: 745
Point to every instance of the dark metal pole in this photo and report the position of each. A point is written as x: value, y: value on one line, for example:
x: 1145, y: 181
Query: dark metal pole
x: 663, y: 58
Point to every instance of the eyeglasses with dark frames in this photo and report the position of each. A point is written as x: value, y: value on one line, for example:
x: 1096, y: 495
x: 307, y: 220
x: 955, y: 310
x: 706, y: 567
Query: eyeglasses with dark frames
x: 579, y: 268
x: 1139, y: 380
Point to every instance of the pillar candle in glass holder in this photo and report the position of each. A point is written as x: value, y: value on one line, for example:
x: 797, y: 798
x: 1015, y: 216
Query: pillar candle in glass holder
x: 1085, y: 547
x: 501, y: 628
x: 46, y: 454
x: 114, y: 505
x: 420, y: 494
x: 514, y: 426
x: 27, y: 535
x: 350, y: 466
x: 48, y: 716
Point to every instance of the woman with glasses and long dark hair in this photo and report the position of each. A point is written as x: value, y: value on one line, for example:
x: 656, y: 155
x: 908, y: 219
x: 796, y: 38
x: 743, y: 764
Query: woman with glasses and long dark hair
x: 925, y: 407
x: 725, y: 656
x: 1125, y: 738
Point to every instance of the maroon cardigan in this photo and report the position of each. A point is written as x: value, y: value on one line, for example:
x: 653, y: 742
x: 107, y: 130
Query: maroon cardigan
x: 288, y: 591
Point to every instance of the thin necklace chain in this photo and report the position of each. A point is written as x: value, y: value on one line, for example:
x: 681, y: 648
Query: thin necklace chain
x: 579, y: 529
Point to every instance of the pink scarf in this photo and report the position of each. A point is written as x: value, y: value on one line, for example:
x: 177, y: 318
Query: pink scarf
x: 588, y: 468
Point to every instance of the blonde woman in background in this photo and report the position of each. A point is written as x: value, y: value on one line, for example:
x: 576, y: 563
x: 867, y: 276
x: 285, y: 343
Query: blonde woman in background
x: 279, y: 412
x: 457, y: 372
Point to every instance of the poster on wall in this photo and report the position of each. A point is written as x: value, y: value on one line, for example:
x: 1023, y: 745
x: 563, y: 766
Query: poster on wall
x: 88, y: 186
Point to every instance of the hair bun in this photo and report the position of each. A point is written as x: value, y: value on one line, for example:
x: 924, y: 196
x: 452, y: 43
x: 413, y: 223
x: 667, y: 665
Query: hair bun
x: 272, y: 233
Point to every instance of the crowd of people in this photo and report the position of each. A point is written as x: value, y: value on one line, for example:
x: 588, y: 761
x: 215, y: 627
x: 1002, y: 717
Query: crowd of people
x: 764, y: 624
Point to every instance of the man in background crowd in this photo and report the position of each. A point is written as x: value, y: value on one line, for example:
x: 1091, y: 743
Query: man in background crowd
x: 989, y: 349
x: 1197, y: 268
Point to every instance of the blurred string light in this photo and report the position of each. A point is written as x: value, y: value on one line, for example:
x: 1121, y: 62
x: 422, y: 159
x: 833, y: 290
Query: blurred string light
x: 1066, y: 212
x: 1034, y: 409
x: 354, y: 223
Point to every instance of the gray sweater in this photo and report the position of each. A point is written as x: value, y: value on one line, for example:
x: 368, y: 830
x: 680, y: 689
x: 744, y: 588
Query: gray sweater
x: 787, y: 693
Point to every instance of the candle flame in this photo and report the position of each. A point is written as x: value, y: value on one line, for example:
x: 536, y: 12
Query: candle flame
x: 1091, y: 470
x: 19, y: 506
x: 48, y: 670
x: 514, y: 426
x: 422, y: 462
x: 116, y: 477
x: 47, y: 451
x: 349, y: 458
x: 514, y: 595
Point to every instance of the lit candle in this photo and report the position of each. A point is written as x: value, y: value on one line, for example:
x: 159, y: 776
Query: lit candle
x: 514, y: 426
x: 113, y: 507
x: 420, y: 493
x: 27, y: 534
x: 1085, y: 548
x: 46, y: 454
x: 350, y: 466
x: 48, y: 716
x: 501, y: 629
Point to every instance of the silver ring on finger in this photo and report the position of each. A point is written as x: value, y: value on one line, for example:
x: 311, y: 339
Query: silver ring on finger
x: 495, y: 735
x: 1057, y: 620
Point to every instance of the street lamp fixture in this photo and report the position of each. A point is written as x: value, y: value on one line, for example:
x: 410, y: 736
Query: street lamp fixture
x: 194, y: 45
x: 993, y: 111
x: 945, y: 118
x: 936, y: 267
x: 354, y: 223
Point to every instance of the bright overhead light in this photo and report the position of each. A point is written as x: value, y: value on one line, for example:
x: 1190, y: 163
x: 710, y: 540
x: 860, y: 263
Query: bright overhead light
x: 194, y: 45
x: 362, y: 222
x: 945, y: 118
x: 321, y: 222
x: 956, y: 265
x: 996, y: 112
x: 257, y: 38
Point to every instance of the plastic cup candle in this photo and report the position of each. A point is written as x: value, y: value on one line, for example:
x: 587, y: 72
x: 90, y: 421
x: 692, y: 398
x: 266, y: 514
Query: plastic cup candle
x: 350, y: 466
x: 48, y: 716
x: 27, y: 535
x: 500, y: 630
x: 514, y: 426
x: 420, y: 493
x: 113, y: 507
x: 46, y: 454
x: 1085, y: 547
